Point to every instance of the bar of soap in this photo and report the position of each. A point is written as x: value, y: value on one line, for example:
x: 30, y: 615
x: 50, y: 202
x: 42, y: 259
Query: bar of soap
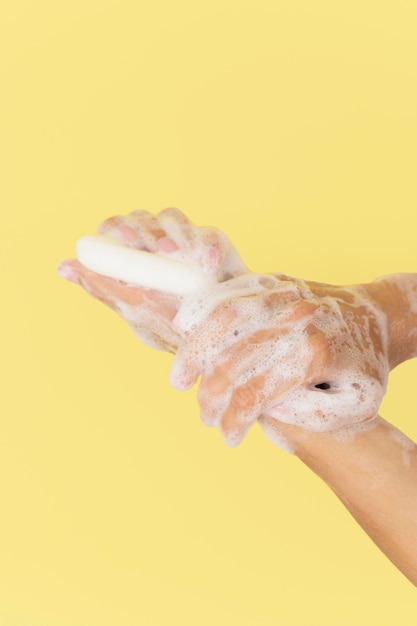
x: 108, y: 257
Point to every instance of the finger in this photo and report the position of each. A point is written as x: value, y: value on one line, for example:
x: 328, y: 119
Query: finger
x: 148, y: 229
x: 149, y: 313
x: 172, y: 215
x: 225, y: 393
x: 200, y: 346
x: 255, y: 373
x: 214, y: 395
x: 322, y: 360
x: 107, y: 290
x: 213, y: 250
x: 203, y: 245
x: 185, y: 369
x: 232, y: 265
x: 118, y: 227
x: 244, y: 409
x: 139, y: 229
x: 109, y: 226
x: 122, y: 228
x: 113, y: 292
x: 219, y: 362
x: 195, y: 244
x: 69, y: 270
x: 177, y: 215
x: 179, y: 231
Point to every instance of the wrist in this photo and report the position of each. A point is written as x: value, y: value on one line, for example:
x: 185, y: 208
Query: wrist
x: 311, y: 447
x: 316, y: 447
x: 396, y: 296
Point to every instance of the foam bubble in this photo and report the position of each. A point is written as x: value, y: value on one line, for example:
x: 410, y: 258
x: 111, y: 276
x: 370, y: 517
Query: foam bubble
x: 283, y: 333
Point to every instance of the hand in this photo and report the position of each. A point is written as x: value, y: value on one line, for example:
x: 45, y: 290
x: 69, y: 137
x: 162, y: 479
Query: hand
x: 308, y: 354
x: 171, y: 234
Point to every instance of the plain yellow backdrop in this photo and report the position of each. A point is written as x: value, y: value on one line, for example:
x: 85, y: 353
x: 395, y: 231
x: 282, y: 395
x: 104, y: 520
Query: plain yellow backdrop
x: 289, y: 124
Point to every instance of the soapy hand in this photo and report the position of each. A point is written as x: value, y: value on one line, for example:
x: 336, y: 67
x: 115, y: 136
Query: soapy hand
x: 169, y: 234
x: 307, y: 354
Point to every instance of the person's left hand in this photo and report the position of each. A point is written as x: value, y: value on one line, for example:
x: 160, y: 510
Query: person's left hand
x: 170, y: 233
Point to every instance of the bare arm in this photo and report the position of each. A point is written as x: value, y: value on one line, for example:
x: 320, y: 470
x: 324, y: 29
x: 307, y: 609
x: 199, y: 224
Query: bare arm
x: 374, y: 474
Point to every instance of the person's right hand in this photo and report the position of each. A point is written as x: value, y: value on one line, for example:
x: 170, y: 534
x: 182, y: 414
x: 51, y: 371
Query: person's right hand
x: 308, y: 354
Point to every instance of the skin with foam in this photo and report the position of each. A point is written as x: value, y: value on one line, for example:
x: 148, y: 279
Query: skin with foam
x: 273, y: 341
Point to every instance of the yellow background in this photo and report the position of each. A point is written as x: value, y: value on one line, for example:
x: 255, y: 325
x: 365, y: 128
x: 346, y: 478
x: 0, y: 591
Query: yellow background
x: 289, y: 124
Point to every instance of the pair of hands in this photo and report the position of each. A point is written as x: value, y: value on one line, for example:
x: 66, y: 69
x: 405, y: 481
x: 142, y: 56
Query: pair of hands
x: 268, y: 347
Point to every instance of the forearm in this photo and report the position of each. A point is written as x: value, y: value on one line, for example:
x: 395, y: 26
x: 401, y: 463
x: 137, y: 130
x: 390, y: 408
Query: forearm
x: 375, y: 477
x: 396, y: 296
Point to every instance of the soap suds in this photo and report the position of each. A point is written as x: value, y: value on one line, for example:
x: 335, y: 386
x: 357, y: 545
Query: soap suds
x: 235, y: 325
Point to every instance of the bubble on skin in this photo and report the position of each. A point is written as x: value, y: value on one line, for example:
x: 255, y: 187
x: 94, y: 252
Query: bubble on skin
x: 251, y: 362
x: 197, y: 307
x: 320, y: 411
x: 347, y: 434
x: 354, y: 396
x: 207, y: 247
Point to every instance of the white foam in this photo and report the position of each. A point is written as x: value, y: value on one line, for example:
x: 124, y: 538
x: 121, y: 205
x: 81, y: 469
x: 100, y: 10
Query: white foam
x: 268, y: 340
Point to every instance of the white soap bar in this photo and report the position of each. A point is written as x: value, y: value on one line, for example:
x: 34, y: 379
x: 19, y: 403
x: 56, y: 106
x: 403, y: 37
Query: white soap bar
x: 108, y: 257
